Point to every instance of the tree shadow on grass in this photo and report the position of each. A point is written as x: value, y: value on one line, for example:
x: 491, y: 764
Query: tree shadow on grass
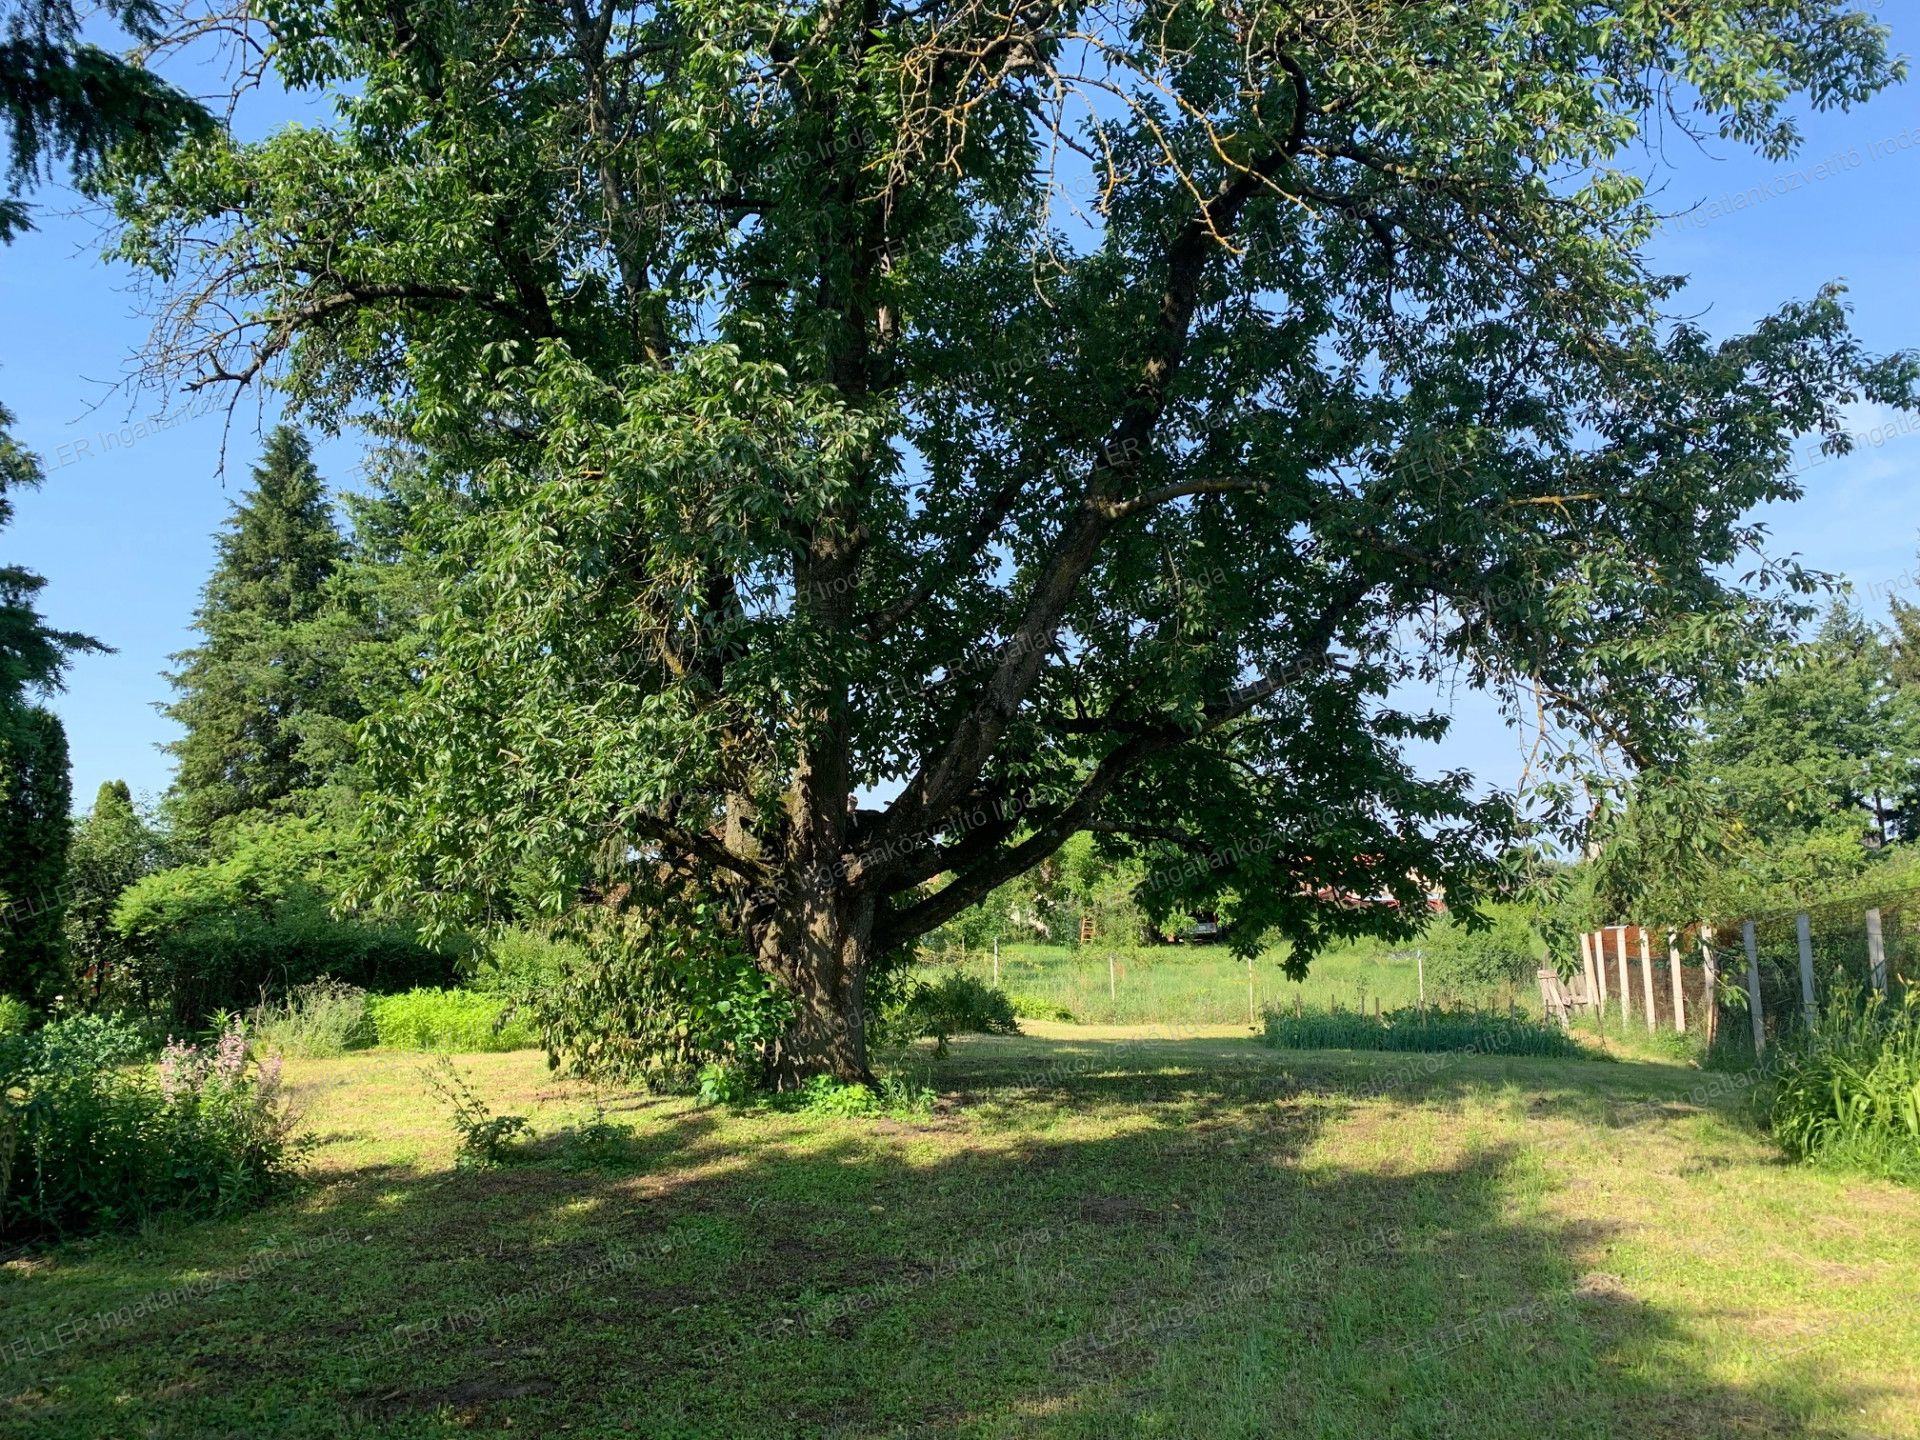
x: 1129, y: 1247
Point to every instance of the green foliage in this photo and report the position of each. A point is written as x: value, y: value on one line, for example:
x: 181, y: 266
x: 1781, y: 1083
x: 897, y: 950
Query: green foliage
x: 112, y: 848
x: 65, y: 100
x: 1033, y: 1007
x: 1460, y: 957
x: 824, y: 1095
x: 15, y: 1016
x: 86, y: 1144
x: 957, y: 1004
x: 35, y: 793
x: 1846, y: 1092
x: 1430, y: 1028
x: 259, y: 918
x: 323, y: 1017
x: 516, y: 964
x: 599, y: 1144
x: 258, y: 676
x: 802, y: 457
x: 893, y: 1095
x: 486, y: 1139
x: 461, y: 1020
x: 93, y: 1042
x: 726, y: 1084
x: 1794, y: 786
x: 649, y: 994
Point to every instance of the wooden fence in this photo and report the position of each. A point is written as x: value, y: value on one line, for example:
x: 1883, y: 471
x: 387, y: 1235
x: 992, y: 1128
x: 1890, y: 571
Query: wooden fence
x: 1763, y: 974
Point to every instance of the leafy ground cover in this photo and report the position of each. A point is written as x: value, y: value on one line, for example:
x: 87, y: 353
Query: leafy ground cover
x: 1096, y: 1232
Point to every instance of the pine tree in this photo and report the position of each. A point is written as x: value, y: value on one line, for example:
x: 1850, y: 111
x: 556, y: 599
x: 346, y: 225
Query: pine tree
x: 35, y: 791
x: 63, y: 99
x: 260, y: 675
x: 112, y: 847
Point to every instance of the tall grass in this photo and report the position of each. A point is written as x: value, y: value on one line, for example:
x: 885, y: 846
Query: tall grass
x: 1432, y: 1027
x: 326, y: 1017
x: 1207, y: 984
x: 1846, y: 1091
x: 460, y: 1020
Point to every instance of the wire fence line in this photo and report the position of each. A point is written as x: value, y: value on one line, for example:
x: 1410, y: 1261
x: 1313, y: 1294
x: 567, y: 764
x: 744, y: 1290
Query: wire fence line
x: 1758, y: 975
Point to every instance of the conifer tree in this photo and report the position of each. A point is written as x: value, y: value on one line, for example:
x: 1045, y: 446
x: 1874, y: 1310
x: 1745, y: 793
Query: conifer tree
x: 34, y: 787
x: 258, y: 675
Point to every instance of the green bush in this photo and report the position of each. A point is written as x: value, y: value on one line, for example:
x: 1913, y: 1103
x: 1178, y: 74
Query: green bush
x: 956, y: 1004
x: 648, y: 995
x: 485, y: 1138
x: 1461, y: 959
x: 15, y: 1015
x: 325, y: 1017
x: 214, y: 936
x: 1432, y: 1028
x: 96, y: 1042
x: 1846, y: 1092
x: 896, y: 1095
x: 462, y: 1020
x: 1033, y: 1007
x: 518, y: 964
x: 89, y: 1146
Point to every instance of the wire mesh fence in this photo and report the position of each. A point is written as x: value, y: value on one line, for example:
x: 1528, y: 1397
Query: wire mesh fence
x: 1840, y: 960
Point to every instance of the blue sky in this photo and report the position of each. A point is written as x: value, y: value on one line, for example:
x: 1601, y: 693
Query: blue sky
x: 123, y: 528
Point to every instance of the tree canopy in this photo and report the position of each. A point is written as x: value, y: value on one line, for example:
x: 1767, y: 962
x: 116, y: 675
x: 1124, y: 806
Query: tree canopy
x: 64, y: 100
x: 877, y: 442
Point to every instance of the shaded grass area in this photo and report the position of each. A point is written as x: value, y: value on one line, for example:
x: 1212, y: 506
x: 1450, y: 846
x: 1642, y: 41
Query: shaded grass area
x: 1096, y: 1234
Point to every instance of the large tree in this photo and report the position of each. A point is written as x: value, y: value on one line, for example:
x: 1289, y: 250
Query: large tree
x: 35, y: 789
x: 261, y: 676
x: 61, y: 101
x: 881, y: 440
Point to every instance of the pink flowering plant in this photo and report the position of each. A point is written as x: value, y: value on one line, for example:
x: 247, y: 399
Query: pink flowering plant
x: 86, y: 1145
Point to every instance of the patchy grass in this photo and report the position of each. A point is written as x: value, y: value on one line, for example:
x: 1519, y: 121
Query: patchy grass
x: 1096, y: 1233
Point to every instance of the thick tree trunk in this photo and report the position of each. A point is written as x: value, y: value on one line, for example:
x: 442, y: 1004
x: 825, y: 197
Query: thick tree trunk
x: 819, y: 948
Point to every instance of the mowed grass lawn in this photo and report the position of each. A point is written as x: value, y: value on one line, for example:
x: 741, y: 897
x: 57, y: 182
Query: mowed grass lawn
x: 1095, y: 1234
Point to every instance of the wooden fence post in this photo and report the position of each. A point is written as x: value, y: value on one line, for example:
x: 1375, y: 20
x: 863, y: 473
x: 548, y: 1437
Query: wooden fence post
x: 1626, y: 994
x: 1710, y: 983
x: 1876, y: 952
x: 1753, y: 988
x: 1586, y: 965
x: 1803, y: 926
x: 1600, y: 967
x: 1113, y: 985
x: 1679, y: 990
x: 1646, y: 977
